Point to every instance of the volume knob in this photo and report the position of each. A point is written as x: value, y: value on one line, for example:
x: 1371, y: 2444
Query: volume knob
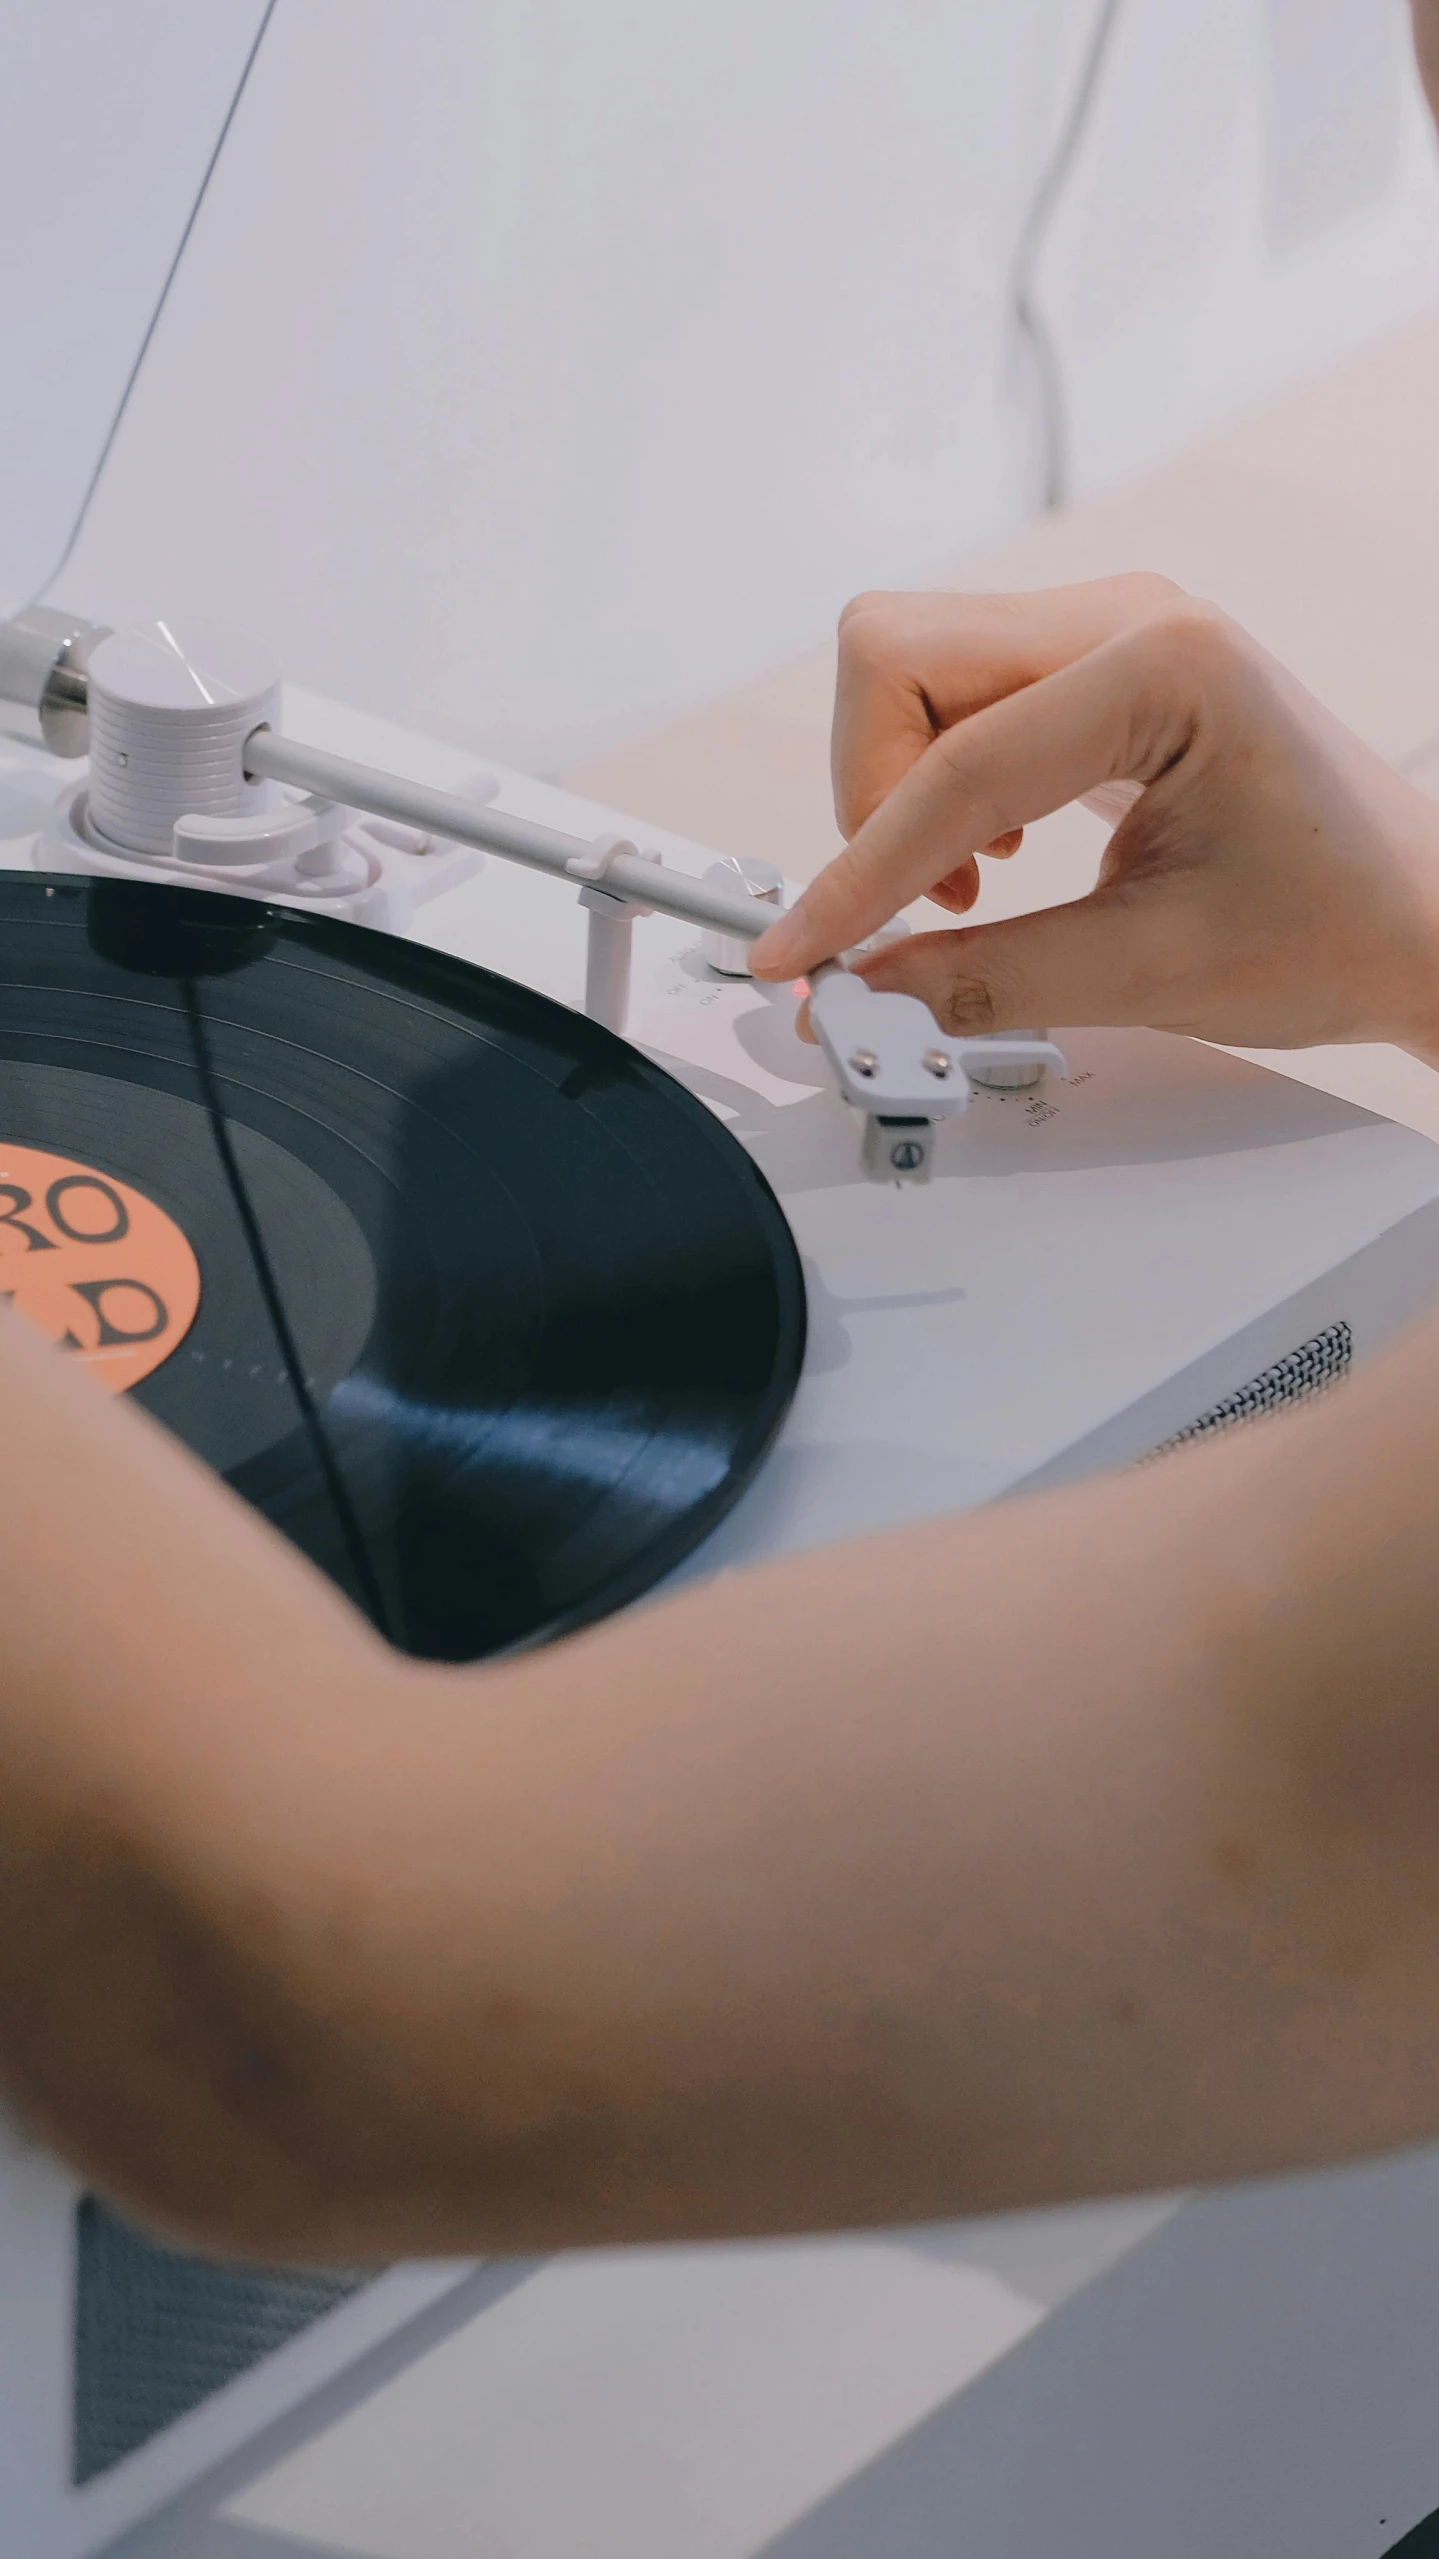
x: 729, y: 952
x: 1006, y: 1078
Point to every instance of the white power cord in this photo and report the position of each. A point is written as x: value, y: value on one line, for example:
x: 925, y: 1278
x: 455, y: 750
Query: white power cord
x: 1024, y: 274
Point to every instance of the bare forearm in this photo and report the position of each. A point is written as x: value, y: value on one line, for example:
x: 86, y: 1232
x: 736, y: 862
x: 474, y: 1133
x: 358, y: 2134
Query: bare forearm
x: 1074, y: 1846
x: 169, y: 1667
x: 1071, y: 1848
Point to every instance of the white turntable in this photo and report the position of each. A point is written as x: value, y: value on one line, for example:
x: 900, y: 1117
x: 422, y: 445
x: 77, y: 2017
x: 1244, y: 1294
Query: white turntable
x: 1154, y: 1240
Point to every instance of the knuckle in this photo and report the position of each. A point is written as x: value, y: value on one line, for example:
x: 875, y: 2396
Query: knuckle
x: 1148, y: 590
x: 966, y: 1007
x: 1191, y: 656
x: 1195, y: 635
x: 872, y: 628
x: 872, y: 600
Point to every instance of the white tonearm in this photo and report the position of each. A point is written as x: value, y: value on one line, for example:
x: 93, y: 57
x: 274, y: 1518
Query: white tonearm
x: 185, y: 756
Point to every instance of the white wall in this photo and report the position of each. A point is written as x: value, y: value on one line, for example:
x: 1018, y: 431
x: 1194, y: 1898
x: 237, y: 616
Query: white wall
x: 107, y: 120
x: 1259, y: 193
x: 539, y: 366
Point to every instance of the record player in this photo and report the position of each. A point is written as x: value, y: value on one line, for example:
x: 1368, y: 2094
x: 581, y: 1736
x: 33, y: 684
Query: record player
x: 1119, y: 1241
x: 1018, y: 1265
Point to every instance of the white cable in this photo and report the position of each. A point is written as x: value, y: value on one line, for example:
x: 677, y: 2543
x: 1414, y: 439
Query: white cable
x: 153, y: 323
x: 1024, y: 286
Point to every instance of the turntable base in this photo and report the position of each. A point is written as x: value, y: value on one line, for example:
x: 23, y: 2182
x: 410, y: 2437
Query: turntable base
x: 1167, y: 1238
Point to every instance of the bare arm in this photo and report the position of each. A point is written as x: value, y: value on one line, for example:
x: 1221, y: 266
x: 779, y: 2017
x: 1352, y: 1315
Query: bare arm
x: 1090, y: 1846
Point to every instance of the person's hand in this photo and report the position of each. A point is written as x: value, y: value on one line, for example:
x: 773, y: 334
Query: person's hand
x: 1271, y: 881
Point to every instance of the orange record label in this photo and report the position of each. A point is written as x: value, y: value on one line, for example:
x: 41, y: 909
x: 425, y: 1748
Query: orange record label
x: 95, y: 1264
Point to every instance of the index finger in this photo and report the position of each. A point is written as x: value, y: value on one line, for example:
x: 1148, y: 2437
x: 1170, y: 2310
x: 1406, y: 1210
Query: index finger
x: 1124, y: 712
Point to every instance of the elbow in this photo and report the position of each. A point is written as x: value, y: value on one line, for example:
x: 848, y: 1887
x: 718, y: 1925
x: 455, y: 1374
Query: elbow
x: 191, y: 2084
x: 190, y: 2169
x: 222, y: 2190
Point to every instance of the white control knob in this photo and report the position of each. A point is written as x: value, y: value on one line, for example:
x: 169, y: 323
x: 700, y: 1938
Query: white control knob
x: 1006, y: 1078
x: 729, y: 952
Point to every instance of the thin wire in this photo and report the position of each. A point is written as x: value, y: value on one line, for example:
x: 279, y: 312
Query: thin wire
x: 154, y: 321
x: 325, y: 1458
x: 1024, y: 287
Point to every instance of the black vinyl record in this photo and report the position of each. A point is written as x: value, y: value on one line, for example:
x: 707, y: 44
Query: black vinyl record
x: 484, y: 1311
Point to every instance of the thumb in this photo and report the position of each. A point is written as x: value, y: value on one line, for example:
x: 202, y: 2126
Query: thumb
x: 1095, y: 961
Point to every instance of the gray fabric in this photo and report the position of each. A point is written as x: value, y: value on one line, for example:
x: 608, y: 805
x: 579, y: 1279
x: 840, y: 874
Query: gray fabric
x: 1317, y: 1363
x: 156, y: 2332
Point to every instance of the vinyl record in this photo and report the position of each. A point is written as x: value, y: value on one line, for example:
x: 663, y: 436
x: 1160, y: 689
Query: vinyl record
x: 484, y: 1311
